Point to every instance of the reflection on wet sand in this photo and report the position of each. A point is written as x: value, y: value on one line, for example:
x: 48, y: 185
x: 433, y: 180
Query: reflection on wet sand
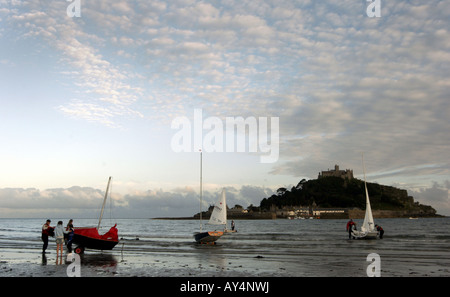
x: 99, y: 262
x: 99, y: 259
x: 261, y: 248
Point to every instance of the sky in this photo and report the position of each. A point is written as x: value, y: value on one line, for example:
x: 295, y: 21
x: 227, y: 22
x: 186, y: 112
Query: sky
x: 97, y: 94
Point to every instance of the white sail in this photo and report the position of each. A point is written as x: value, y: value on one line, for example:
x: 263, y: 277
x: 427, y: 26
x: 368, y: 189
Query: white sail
x: 219, y: 214
x: 368, y: 224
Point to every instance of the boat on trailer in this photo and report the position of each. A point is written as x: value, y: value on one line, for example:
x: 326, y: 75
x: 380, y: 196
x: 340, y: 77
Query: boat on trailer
x: 88, y: 237
x: 207, y: 237
x: 91, y: 239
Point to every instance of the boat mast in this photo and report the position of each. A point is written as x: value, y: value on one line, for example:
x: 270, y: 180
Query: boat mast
x: 365, y: 185
x: 201, y: 191
x: 364, y: 168
x: 103, y: 206
x: 368, y: 217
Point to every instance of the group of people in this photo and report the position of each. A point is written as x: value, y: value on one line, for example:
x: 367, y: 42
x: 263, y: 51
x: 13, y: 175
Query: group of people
x: 61, y: 234
x: 352, y: 226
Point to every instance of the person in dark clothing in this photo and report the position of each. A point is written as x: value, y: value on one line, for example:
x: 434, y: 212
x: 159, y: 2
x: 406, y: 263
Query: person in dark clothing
x: 47, y: 231
x: 380, y: 231
x: 350, y: 226
x: 69, y: 236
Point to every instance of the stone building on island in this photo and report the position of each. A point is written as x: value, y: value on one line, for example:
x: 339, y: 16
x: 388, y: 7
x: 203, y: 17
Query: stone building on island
x: 347, y: 173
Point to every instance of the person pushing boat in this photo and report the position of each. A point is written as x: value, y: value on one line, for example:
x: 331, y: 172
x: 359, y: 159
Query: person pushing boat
x: 350, y: 226
x: 380, y: 231
x: 47, y: 231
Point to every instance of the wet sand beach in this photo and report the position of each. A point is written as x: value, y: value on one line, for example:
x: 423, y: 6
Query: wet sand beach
x: 32, y: 263
x: 278, y: 248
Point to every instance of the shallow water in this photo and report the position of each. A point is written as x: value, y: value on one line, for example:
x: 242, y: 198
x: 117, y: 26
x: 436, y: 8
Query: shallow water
x: 147, y: 247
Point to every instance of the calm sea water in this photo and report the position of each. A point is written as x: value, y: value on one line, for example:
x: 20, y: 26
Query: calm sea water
x: 419, y: 247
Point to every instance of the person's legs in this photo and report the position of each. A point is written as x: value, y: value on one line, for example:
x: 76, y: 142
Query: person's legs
x: 61, y: 247
x: 69, y: 245
x: 59, y: 252
x: 45, y: 245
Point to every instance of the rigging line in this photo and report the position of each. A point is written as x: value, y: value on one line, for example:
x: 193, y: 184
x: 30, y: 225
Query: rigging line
x: 112, y: 216
x: 103, y: 205
x: 110, y: 202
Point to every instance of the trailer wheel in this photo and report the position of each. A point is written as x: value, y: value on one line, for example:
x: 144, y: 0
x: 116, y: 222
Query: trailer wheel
x: 79, y: 250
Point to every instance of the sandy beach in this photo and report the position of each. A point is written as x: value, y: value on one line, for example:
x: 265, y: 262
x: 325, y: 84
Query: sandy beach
x: 272, y: 248
x: 32, y: 263
x: 174, y: 273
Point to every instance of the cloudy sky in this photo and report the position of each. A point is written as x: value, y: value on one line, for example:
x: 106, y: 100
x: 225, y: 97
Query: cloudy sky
x: 84, y: 98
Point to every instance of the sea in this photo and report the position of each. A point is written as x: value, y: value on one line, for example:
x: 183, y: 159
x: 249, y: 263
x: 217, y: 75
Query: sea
x: 259, y: 248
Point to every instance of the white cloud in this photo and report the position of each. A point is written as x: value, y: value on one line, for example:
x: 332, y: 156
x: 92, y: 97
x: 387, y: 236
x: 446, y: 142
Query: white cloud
x: 340, y: 82
x: 86, y: 202
x: 437, y: 196
x: 97, y: 80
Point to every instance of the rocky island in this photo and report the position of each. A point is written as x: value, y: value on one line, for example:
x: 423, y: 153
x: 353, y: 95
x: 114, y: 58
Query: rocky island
x: 334, y: 194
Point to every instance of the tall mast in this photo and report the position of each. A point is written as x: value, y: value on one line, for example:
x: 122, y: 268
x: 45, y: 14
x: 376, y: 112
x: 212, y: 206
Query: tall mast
x: 368, y: 217
x: 104, y: 202
x: 201, y: 191
x: 364, y: 171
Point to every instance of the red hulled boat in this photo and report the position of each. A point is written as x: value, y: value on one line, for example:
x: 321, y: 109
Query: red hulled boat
x: 90, y: 238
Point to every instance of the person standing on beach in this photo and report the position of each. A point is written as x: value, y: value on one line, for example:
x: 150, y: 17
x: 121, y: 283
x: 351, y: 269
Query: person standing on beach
x: 232, y: 225
x: 68, y: 238
x: 59, y: 235
x: 380, y: 231
x: 47, y: 231
x: 350, y: 226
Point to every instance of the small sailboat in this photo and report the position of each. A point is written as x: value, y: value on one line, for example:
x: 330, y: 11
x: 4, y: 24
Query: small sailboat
x: 208, y: 237
x: 368, y: 230
x: 90, y: 238
x: 219, y: 213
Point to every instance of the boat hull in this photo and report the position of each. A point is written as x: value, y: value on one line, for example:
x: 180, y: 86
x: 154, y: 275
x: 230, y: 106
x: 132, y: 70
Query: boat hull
x: 207, y: 237
x: 89, y: 238
x: 365, y: 235
x: 94, y: 243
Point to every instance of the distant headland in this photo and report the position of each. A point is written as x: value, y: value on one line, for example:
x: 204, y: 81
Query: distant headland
x: 335, y: 194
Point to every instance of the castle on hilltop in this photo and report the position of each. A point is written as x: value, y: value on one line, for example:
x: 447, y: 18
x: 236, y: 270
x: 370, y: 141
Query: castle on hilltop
x: 347, y: 173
